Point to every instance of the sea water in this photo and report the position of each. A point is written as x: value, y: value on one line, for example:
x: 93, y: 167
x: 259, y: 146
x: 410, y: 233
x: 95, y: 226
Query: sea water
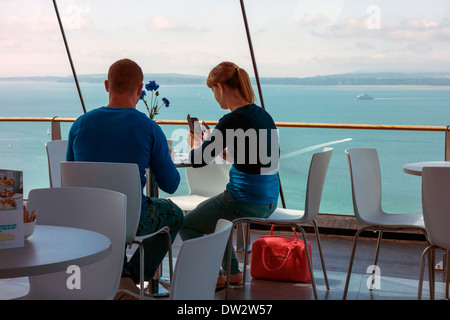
x: 22, y: 143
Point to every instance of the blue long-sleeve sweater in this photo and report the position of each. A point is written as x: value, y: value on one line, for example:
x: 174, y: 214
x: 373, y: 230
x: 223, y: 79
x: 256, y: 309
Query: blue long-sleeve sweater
x: 123, y: 135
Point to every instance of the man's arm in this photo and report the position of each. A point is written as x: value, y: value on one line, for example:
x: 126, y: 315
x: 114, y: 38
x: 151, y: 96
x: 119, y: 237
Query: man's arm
x: 70, y: 156
x: 161, y: 164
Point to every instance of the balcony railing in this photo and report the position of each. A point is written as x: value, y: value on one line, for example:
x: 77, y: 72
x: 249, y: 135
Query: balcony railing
x: 56, y: 131
x: 333, y: 221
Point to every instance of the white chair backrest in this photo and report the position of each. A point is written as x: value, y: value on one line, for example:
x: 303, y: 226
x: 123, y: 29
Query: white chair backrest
x: 316, y: 180
x: 198, y: 264
x: 366, y: 183
x: 56, y: 152
x: 97, y: 210
x: 436, y: 204
x: 120, y: 177
x: 208, y: 181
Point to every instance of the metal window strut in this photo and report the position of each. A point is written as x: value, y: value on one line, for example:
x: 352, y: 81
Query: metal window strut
x: 252, y: 54
x: 69, y: 56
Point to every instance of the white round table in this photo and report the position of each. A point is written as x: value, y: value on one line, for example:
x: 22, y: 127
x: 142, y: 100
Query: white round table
x: 52, y: 249
x: 181, y: 160
x: 416, y: 168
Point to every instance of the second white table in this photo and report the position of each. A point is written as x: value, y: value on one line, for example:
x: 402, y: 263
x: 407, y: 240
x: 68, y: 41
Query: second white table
x: 52, y: 249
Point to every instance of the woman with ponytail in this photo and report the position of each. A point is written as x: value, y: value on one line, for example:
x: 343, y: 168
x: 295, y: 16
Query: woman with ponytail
x: 249, y: 137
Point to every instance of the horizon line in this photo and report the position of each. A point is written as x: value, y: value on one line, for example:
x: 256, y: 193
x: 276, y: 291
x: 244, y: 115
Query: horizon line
x: 264, y: 77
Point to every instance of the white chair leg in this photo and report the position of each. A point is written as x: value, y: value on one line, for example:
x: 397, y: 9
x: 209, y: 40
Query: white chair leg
x: 350, y: 266
x: 246, y: 245
x: 169, y: 244
x: 141, y: 273
x: 377, y: 252
x: 240, y: 236
x: 230, y: 247
x: 431, y: 269
x: 422, y: 267
x: 159, y: 276
x: 319, y: 246
x: 308, y: 257
x: 447, y: 275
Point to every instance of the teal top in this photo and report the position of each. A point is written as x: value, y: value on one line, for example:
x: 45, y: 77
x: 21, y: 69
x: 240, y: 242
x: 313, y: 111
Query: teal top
x: 250, y: 135
x: 253, y: 188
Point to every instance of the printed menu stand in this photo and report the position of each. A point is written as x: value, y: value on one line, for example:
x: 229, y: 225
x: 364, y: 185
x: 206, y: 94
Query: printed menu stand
x: 11, y: 209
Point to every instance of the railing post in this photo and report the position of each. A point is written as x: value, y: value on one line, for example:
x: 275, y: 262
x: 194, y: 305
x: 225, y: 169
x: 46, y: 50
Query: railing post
x: 56, y: 129
x: 447, y: 144
x: 447, y: 158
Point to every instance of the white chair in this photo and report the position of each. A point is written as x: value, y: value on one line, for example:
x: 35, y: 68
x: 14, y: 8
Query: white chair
x: 120, y: 177
x: 198, y: 264
x: 204, y: 182
x: 56, y: 152
x: 365, y: 177
x: 98, y: 210
x: 293, y: 218
x: 435, y: 205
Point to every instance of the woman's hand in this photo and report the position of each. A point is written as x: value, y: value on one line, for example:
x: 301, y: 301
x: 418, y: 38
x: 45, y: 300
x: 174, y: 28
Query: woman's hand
x: 206, y: 131
x: 196, y: 138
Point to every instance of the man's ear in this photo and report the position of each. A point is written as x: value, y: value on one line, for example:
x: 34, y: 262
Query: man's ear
x: 140, y: 89
x: 139, y: 92
x: 106, y: 85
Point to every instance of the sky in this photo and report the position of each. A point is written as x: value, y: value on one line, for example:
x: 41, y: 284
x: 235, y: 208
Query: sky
x: 291, y: 38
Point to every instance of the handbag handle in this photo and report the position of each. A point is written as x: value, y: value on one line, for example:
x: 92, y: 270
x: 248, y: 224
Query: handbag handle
x: 291, y: 247
x: 280, y: 266
x: 293, y: 229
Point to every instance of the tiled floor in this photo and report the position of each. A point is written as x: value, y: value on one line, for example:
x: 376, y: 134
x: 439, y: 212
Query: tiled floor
x: 399, y: 264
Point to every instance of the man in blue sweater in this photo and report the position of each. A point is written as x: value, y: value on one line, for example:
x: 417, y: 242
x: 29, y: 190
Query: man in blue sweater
x: 120, y: 133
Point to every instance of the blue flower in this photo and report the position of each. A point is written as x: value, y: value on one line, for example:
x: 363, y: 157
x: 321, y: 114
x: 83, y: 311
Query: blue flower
x: 152, y: 86
x: 154, y: 104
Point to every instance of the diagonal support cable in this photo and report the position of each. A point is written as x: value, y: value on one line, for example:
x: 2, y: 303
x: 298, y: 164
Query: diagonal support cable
x: 70, y: 57
x: 250, y: 45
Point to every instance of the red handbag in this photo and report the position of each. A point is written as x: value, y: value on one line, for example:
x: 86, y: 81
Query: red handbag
x: 280, y: 258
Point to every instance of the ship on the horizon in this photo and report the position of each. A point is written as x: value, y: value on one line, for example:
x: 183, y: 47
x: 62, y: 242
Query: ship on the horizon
x: 364, y: 96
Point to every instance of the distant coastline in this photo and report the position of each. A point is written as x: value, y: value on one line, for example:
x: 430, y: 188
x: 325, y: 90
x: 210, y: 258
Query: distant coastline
x: 366, y: 79
x: 345, y: 79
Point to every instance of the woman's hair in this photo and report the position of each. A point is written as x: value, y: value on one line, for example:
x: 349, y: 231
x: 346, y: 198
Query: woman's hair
x: 124, y: 76
x: 228, y: 73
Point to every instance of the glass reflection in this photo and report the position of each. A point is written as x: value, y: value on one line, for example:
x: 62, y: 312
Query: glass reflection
x: 313, y: 58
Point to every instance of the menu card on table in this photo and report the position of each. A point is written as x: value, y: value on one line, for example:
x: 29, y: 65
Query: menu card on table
x: 11, y: 209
